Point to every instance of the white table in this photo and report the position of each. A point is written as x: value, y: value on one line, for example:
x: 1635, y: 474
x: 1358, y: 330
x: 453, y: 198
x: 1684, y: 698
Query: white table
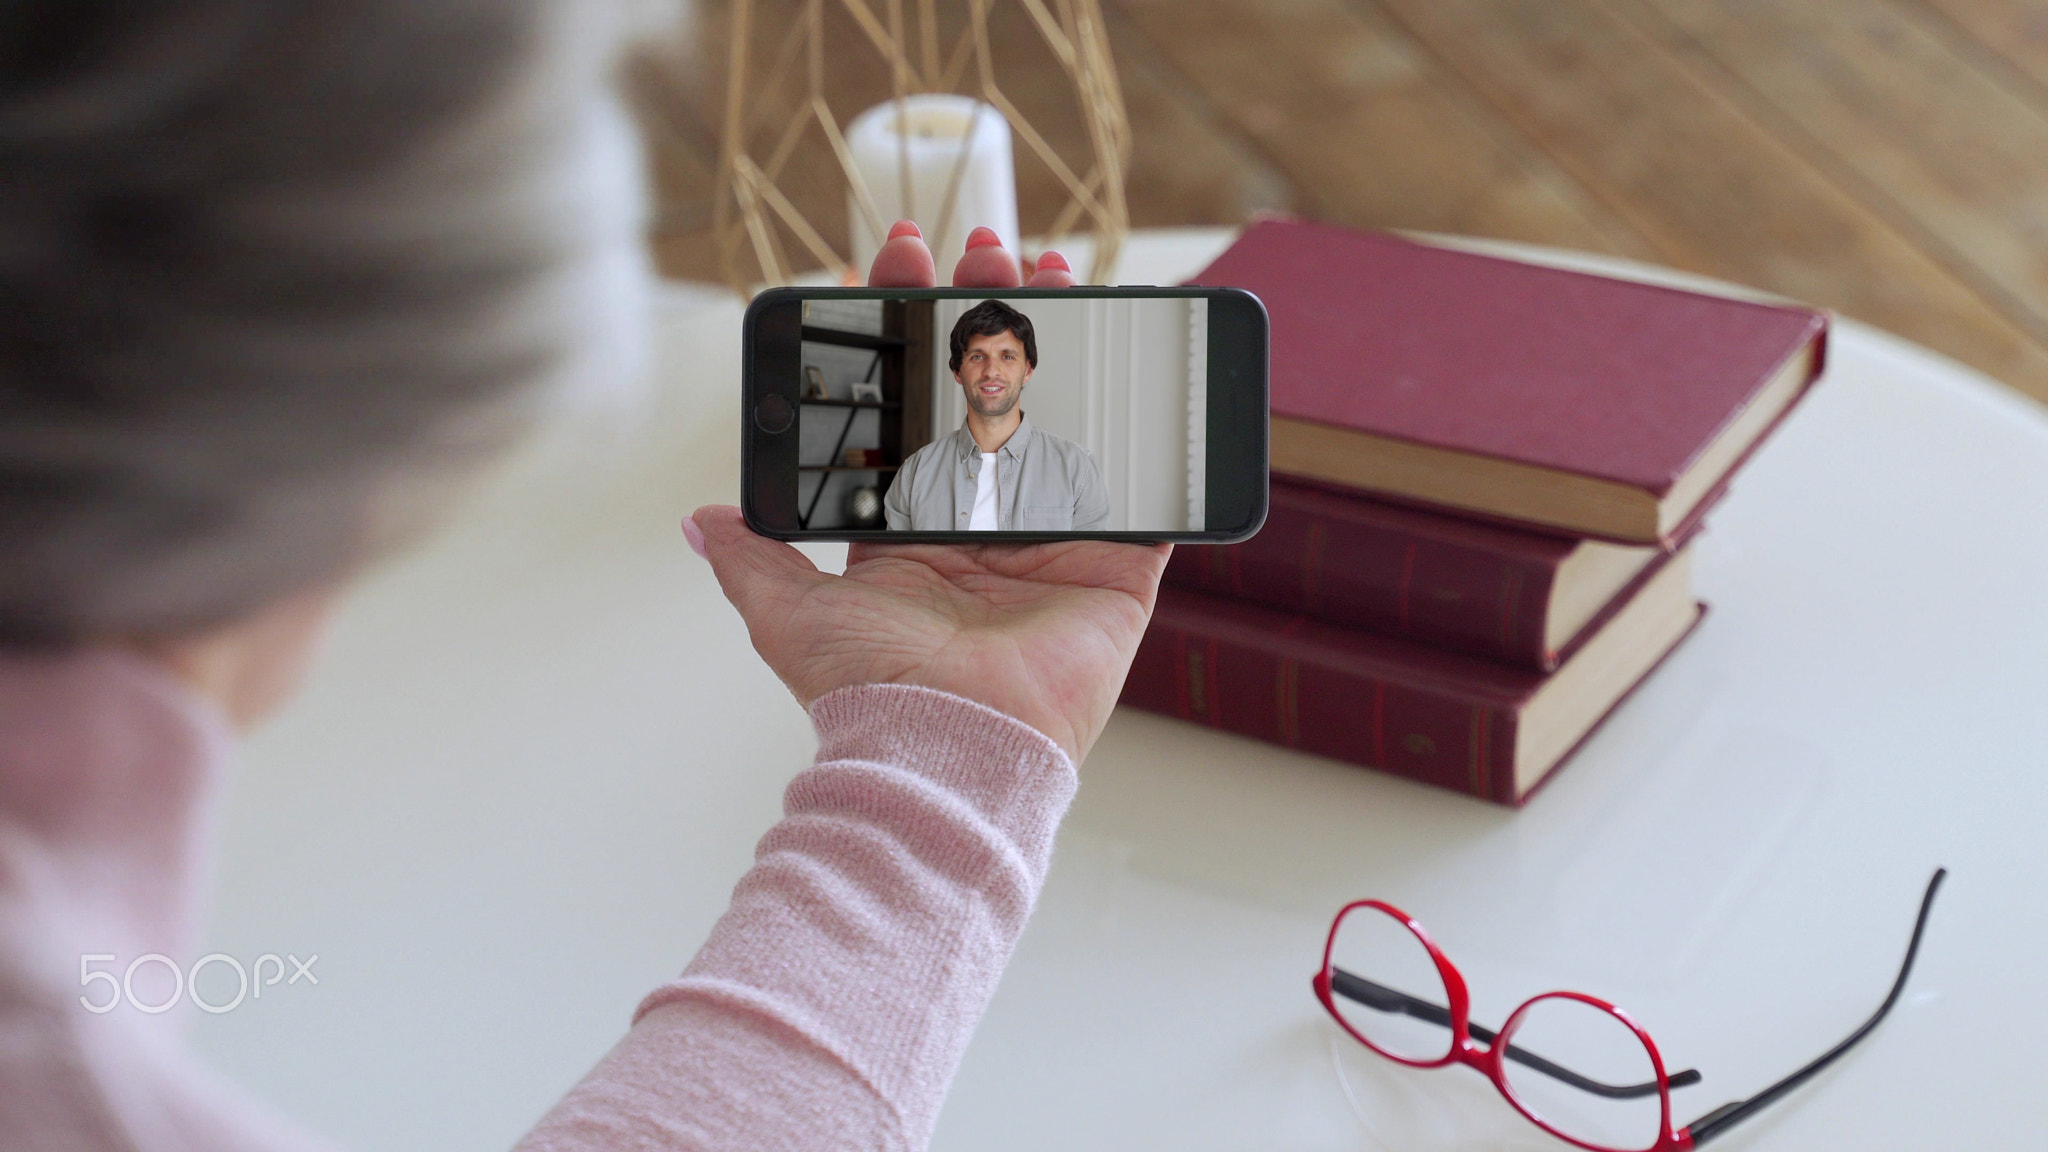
x: 541, y: 750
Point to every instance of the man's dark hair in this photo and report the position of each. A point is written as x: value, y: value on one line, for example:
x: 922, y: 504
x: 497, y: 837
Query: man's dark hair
x: 992, y: 318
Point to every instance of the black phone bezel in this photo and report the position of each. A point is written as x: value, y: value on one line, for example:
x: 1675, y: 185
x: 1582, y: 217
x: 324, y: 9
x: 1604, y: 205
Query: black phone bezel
x: 1236, y: 469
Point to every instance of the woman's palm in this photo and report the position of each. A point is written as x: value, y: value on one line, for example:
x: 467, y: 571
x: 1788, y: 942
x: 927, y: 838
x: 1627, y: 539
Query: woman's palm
x: 1041, y: 632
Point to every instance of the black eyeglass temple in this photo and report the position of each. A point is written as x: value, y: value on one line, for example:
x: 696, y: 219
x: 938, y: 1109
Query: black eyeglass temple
x: 1735, y: 1111
x: 1385, y: 999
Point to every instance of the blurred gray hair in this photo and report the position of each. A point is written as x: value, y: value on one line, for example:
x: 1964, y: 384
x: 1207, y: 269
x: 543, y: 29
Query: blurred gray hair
x: 275, y: 276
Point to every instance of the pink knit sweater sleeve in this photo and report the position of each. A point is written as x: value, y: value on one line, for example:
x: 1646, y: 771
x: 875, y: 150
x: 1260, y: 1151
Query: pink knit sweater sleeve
x: 834, y: 999
x: 828, y: 1010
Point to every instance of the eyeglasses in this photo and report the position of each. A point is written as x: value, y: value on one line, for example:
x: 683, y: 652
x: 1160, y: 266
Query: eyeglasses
x: 1577, y: 1066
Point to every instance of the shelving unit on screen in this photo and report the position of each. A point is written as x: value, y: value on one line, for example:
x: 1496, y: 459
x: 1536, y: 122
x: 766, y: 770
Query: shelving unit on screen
x: 847, y: 443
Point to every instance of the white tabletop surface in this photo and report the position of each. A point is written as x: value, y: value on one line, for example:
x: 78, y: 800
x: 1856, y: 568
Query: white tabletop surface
x: 517, y: 792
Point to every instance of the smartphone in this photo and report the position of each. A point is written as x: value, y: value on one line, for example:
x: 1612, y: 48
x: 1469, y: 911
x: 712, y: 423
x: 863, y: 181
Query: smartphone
x: 970, y: 415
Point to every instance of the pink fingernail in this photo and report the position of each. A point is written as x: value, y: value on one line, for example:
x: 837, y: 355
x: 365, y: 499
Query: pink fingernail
x: 982, y: 238
x: 1054, y: 260
x: 694, y: 536
x: 904, y: 228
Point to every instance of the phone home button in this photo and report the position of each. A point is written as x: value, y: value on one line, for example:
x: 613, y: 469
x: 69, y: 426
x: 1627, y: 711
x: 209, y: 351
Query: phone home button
x: 774, y: 413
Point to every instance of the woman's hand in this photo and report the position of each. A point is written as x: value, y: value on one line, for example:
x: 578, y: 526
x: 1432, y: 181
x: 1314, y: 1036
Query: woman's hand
x: 1041, y: 632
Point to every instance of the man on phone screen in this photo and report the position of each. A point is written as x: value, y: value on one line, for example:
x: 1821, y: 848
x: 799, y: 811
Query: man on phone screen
x: 996, y: 472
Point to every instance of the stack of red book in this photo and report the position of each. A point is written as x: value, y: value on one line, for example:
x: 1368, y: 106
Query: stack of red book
x: 1487, y: 479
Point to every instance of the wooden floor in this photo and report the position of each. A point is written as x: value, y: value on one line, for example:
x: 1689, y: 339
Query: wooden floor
x: 1884, y: 158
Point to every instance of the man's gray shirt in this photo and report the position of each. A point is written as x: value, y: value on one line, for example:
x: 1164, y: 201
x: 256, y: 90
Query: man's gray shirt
x: 1043, y: 484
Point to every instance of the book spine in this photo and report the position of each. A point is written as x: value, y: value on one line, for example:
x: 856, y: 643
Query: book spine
x: 1256, y: 687
x: 1459, y: 597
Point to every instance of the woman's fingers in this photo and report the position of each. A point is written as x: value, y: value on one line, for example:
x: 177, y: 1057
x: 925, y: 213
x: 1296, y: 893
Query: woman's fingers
x: 1052, y: 272
x: 985, y: 264
x: 904, y: 261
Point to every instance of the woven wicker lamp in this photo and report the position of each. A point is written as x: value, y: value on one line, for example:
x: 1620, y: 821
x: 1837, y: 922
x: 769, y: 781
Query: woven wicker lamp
x: 943, y: 48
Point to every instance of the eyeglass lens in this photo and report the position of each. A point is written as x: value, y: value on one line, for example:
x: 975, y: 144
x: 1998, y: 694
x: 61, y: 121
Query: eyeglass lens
x: 1397, y: 983
x: 1598, y: 1046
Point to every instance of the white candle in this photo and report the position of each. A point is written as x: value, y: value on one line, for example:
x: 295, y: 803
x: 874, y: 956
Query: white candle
x: 930, y: 133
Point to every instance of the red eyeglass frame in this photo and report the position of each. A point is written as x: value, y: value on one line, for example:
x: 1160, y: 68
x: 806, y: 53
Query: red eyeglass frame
x: 1487, y: 1060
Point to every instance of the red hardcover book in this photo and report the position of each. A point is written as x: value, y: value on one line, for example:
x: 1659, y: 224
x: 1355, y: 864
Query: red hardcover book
x: 1471, y: 725
x: 1525, y: 598
x: 1557, y: 399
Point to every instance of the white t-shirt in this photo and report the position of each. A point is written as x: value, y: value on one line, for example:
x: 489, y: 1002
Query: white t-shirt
x: 983, y: 518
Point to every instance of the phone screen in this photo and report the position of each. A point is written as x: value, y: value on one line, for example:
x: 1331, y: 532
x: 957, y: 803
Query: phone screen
x: 962, y: 415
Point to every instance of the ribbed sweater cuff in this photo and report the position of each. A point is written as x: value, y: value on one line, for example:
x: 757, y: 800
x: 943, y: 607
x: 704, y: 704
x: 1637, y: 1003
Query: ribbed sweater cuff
x: 1014, y: 776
